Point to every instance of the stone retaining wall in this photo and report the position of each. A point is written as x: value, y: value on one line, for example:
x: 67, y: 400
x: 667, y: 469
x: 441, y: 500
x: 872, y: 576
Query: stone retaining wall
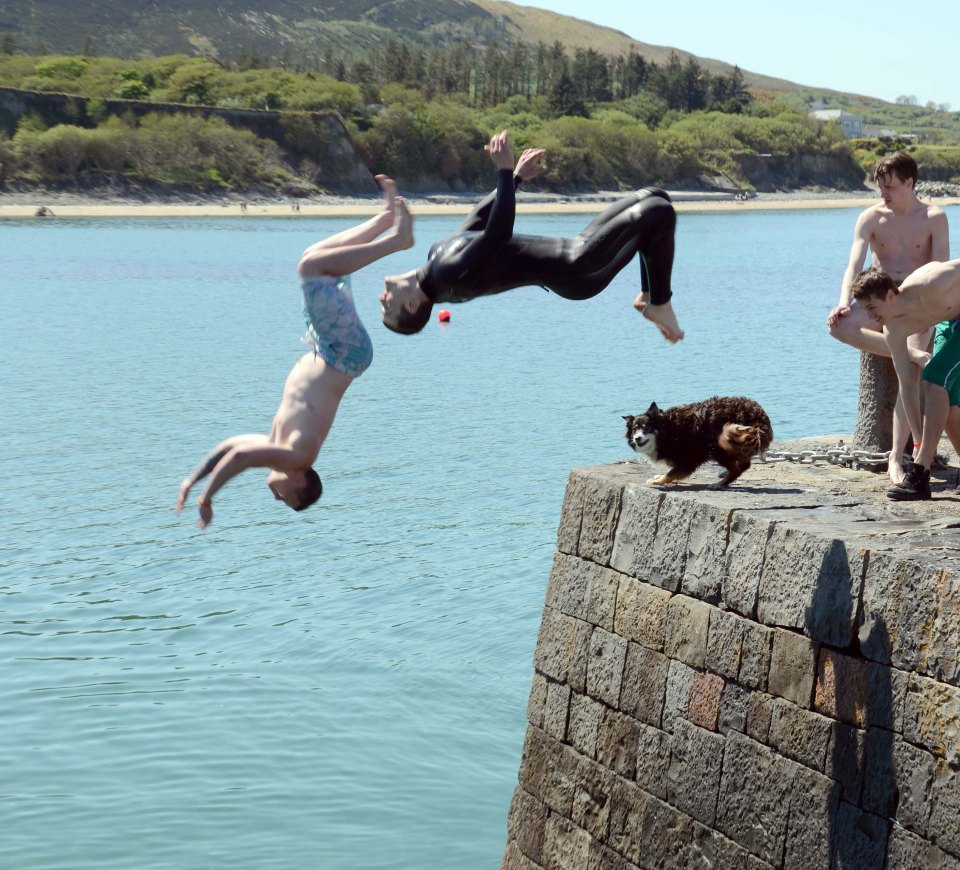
x: 760, y: 677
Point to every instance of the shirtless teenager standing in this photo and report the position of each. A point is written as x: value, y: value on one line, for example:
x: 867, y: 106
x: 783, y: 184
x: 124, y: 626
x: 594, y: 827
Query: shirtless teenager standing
x: 341, y: 352
x: 902, y: 234
x: 929, y: 296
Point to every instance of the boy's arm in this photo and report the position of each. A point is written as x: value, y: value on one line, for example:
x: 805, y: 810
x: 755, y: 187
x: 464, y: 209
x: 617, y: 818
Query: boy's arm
x: 906, y: 376
x: 858, y: 256
x: 209, y: 462
x: 240, y: 458
x: 939, y: 237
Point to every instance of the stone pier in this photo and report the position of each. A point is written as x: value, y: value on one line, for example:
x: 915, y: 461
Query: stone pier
x: 761, y: 677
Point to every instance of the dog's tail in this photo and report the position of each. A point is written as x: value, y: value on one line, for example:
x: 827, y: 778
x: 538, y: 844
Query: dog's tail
x: 746, y: 440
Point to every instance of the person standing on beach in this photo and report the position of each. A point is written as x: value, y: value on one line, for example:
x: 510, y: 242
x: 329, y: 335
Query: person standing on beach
x: 927, y: 297
x: 485, y: 257
x: 317, y: 382
x: 902, y: 233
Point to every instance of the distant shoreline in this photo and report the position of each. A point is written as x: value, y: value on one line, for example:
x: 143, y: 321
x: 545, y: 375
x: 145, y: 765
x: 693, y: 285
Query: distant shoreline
x: 63, y: 205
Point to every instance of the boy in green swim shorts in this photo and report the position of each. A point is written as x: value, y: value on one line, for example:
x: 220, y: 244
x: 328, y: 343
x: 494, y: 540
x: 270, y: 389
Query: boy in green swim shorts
x: 341, y: 351
x: 927, y: 297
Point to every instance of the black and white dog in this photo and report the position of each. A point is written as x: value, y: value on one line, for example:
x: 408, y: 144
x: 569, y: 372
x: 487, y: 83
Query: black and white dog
x: 729, y: 430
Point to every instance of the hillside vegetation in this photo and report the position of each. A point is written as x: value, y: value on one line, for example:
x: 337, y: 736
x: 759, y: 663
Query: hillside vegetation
x: 423, y: 115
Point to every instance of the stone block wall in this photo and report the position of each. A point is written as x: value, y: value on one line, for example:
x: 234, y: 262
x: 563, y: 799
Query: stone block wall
x: 761, y: 677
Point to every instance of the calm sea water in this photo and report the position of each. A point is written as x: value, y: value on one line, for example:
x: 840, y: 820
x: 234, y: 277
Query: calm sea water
x: 342, y: 688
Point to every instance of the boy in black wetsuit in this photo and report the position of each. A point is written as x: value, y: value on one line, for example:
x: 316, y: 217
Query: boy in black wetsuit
x: 485, y: 257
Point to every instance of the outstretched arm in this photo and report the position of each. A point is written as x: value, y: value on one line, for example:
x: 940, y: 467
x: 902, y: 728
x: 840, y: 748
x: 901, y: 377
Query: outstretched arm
x: 359, y: 246
x: 210, y: 461
x: 858, y: 256
x: 906, y: 377
x: 531, y: 164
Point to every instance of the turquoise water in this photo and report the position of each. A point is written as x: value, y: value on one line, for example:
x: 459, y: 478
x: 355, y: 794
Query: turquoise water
x: 342, y: 688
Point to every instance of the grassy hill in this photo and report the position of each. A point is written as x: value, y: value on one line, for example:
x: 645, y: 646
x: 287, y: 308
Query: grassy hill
x: 299, y: 31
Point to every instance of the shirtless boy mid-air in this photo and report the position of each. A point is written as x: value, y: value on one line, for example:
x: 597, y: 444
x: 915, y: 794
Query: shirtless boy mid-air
x: 316, y: 383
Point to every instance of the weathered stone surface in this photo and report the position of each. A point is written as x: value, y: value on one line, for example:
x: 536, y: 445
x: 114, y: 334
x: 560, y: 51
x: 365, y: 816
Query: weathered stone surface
x: 571, y: 514
x: 810, y: 583
x: 908, y: 852
x: 600, y: 514
x: 525, y: 824
x: 800, y: 734
x: 725, y: 643
x: 579, y: 656
x: 734, y: 706
x: 653, y: 760
x: 617, y: 743
x: 537, y: 700
x: 841, y: 687
x: 886, y: 690
x: 759, y: 715
x: 704, y: 569
x: 641, y: 613
x: 633, y: 548
x: 679, y: 683
x: 627, y: 811
x: 858, y: 839
x: 669, y: 552
x: 753, y: 804
x: 666, y: 836
x: 514, y: 859
x: 693, y: 778
x: 555, y: 644
x: 591, y: 798
x: 744, y: 562
x: 602, y: 598
x: 644, y: 688
x: 601, y: 857
x: 555, y: 710
x: 880, y: 779
x: 813, y: 806
x: 915, y: 776
x: 688, y: 623
x: 792, y: 668
x: 931, y: 717
x: 704, y: 706
x: 945, y: 811
x: 846, y: 760
x: 564, y: 845
x: 608, y: 652
x: 568, y: 587
x: 911, y: 616
x: 546, y: 771
x: 710, y: 850
x: 755, y: 656
x: 583, y: 728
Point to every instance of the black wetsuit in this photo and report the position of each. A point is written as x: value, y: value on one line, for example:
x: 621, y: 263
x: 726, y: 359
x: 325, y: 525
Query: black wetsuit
x: 485, y: 257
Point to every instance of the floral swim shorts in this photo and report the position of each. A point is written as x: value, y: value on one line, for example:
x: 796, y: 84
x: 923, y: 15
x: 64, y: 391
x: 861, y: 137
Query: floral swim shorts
x: 334, y: 330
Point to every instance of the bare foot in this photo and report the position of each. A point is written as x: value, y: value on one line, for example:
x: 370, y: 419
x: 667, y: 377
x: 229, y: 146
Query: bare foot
x: 403, y: 224
x: 895, y: 470
x: 389, y: 188
x: 664, y: 319
x: 642, y: 301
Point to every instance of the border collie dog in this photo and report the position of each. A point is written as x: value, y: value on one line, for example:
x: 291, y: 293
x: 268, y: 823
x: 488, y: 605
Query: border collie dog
x: 729, y: 430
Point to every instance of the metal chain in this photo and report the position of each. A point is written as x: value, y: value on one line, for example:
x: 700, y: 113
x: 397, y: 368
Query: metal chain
x: 839, y: 455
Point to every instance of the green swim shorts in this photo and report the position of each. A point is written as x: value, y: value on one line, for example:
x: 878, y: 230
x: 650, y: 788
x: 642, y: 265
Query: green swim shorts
x: 944, y: 366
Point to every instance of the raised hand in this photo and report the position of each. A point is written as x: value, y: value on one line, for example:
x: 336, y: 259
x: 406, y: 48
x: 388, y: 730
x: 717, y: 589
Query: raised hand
x: 532, y: 162
x: 499, y: 150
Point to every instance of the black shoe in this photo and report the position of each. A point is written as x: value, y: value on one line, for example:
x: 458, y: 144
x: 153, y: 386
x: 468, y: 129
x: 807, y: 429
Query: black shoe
x: 915, y: 486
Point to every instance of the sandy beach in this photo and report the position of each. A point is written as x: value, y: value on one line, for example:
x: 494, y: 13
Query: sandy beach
x: 69, y: 205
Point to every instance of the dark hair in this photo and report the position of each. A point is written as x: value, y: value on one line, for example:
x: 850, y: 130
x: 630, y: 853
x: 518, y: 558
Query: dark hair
x: 872, y: 282
x: 408, y: 322
x: 310, y: 491
x: 899, y: 163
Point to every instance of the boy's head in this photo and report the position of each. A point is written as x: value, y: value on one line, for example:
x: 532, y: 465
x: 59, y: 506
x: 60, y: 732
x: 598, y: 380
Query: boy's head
x: 404, y: 307
x: 296, y: 489
x: 899, y: 169
x: 872, y: 289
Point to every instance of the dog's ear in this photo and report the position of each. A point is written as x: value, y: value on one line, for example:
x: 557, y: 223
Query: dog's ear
x: 629, y: 419
x: 653, y: 410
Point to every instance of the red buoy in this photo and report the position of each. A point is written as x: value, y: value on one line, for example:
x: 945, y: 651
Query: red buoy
x: 444, y: 315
